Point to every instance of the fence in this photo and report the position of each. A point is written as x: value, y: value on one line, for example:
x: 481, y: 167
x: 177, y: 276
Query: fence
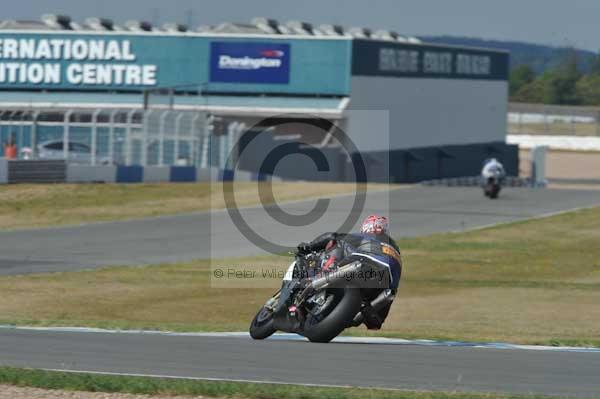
x: 154, y: 137
x: 539, y: 119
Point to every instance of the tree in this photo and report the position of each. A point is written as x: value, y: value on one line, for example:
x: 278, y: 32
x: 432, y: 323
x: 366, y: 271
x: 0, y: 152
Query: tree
x: 530, y: 93
x: 588, y: 89
x: 519, y: 77
x: 560, y: 84
x: 595, y: 68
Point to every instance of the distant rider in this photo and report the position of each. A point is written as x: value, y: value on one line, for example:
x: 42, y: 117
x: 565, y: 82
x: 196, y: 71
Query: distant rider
x: 373, y: 240
x: 492, y: 168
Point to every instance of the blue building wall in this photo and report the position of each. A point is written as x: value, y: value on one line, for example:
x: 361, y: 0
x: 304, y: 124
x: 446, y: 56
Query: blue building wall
x: 315, y: 66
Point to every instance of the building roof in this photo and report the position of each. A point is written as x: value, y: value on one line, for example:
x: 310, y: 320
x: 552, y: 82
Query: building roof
x: 258, y: 26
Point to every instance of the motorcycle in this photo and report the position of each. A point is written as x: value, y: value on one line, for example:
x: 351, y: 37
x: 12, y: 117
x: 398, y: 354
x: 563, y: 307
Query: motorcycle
x: 492, y: 177
x: 319, y: 304
x: 492, y: 187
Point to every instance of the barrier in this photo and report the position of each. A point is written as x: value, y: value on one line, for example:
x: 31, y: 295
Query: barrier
x: 182, y: 174
x: 36, y: 171
x: 3, y: 171
x: 207, y: 174
x: 130, y: 174
x: 91, y: 174
x: 60, y: 172
x: 474, y: 181
x: 156, y: 174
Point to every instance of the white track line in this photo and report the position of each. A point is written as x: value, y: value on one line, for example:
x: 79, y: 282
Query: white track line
x: 298, y: 338
x: 217, y: 379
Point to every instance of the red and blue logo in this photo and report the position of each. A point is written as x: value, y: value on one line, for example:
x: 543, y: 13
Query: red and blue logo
x: 272, y: 53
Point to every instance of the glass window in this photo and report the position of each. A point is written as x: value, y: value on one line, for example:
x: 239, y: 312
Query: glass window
x: 57, y: 145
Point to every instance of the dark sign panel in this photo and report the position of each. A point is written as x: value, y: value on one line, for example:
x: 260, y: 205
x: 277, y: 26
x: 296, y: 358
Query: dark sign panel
x: 377, y: 58
x: 250, y: 62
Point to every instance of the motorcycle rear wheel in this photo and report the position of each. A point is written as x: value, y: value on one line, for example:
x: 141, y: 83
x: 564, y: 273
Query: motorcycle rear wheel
x: 494, y: 193
x: 324, y: 328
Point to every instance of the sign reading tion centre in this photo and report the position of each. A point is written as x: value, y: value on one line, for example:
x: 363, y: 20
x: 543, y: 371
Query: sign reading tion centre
x: 74, y: 62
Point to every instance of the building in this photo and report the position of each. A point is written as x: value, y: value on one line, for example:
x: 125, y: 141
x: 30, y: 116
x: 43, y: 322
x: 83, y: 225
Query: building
x: 139, y: 95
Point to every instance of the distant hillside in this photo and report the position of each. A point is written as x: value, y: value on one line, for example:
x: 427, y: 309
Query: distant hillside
x: 539, y: 57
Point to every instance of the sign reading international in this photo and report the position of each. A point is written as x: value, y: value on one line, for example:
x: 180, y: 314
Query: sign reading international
x: 58, y: 61
x: 250, y: 62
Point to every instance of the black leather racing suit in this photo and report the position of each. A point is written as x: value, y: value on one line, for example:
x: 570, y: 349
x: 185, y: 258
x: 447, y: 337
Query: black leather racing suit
x: 339, y: 247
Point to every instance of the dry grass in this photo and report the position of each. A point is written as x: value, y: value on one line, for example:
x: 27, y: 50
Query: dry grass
x: 168, y: 296
x: 555, y: 129
x: 529, y: 282
x: 24, y: 206
x: 21, y: 392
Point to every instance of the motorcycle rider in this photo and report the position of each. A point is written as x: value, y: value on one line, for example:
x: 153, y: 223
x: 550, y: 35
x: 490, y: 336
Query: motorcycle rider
x: 374, y: 240
x: 492, y: 168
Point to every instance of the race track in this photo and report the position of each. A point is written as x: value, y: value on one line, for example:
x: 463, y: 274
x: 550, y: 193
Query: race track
x: 417, y: 367
x: 413, y: 211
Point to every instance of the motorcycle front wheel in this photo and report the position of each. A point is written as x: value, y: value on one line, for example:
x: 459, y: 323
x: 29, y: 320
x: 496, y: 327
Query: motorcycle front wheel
x: 262, y: 324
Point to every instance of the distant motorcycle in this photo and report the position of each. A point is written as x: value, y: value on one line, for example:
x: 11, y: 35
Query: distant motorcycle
x: 492, y: 187
x: 320, y: 305
x: 492, y: 177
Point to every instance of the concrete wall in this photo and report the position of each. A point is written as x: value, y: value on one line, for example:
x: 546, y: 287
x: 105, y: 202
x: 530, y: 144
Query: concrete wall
x: 207, y: 174
x: 3, y: 171
x: 399, y: 166
x: 127, y: 174
x: 155, y: 174
x: 426, y: 163
x: 426, y: 112
x: 91, y: 174
x: 260, y: 154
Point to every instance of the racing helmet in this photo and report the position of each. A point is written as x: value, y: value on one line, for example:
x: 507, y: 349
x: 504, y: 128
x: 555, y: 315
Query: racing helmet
x: 374, y: 224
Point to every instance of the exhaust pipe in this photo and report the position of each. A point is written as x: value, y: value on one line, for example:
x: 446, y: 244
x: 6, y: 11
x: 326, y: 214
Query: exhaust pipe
x: 336, y: 276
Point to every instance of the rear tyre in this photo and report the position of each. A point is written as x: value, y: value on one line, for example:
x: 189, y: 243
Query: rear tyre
x: 262, y: 324
x: 494, y: 193
x: 325, y: 326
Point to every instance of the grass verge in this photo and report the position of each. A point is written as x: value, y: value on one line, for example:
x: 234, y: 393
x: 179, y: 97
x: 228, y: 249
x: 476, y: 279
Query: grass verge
x: 40, y: 205
x: 172, y: 387
x: 531, y: 282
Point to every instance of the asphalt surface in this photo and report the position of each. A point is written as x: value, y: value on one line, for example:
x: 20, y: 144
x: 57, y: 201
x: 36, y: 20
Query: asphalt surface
x: 367, y: 365
x: 413, y: 211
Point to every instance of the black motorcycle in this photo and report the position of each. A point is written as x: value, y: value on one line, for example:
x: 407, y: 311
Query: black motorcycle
x: 320, y: 304
x: 492, y: 187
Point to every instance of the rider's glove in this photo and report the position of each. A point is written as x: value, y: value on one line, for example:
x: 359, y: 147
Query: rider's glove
x: 303, y: 248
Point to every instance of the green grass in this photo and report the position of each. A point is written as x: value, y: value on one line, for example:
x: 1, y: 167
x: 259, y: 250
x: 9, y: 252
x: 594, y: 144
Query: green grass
x: 531, y: 282
x: 171, y: 387
x: 40, y: 205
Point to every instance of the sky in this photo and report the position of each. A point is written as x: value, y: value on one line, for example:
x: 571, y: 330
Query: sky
x: 554, y: 22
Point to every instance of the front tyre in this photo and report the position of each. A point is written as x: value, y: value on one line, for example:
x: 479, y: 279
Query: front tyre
x: 262, y: 324
x: 343, y: 305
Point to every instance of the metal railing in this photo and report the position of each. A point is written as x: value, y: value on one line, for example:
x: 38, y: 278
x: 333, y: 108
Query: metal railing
x: 153, y: 137
x: 539, y: 119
